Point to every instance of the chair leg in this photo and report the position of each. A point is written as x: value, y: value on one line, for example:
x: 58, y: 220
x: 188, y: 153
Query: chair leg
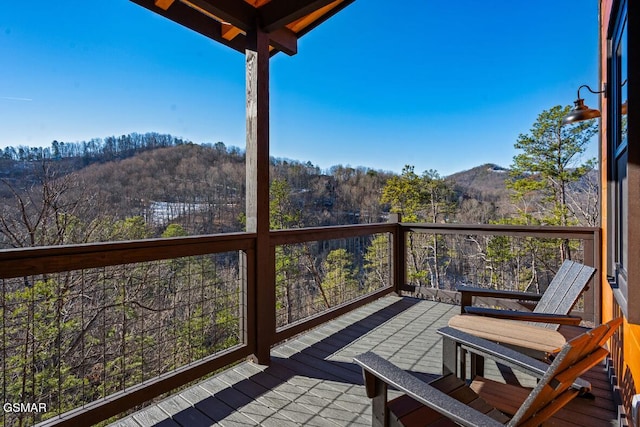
x: 477, y: 365
x: 377, y: 391
x: 449, y: 357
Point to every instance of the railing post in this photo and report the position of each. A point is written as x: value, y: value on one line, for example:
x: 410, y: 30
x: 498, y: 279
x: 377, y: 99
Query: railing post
x: 588, y: 295
x: 398, y: 244
x: 592, y: 295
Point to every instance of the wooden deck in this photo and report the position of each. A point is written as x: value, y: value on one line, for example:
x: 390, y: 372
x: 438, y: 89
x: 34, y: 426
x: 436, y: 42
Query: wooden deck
x: 312, y: 380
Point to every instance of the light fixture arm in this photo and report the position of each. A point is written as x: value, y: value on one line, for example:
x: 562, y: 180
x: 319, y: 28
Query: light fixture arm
x: 591, y: 90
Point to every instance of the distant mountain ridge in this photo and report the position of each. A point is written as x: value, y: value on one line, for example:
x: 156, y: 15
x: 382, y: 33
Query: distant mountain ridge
x: 485, y: 182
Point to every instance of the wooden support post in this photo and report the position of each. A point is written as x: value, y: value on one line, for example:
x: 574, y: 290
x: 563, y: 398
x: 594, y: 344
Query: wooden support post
x: 399, y: 253
x: 589, y: 295
x: 257, y: 166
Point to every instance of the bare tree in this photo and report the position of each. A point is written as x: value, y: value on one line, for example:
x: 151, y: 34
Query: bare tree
x: 43, y: 213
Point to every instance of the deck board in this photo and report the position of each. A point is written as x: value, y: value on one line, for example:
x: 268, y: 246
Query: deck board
x: 312, y: 380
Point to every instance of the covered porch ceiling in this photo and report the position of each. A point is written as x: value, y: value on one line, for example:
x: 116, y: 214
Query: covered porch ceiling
x: 229, y: 21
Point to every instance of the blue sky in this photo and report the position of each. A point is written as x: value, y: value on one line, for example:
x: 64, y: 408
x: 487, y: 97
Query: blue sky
x: 448, y: 86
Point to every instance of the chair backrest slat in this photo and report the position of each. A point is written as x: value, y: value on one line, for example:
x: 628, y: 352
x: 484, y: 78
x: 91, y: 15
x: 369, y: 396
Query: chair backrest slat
x: 551, y: 408
x: 577, y: 369
x: 576, y: 357
x: 564, y: 290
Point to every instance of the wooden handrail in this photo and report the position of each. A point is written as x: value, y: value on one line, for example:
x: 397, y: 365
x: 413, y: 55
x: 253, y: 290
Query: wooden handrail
x: 29, y: 261
x: 52, y: 259
x: 504, y: 230
x: 301, y: 235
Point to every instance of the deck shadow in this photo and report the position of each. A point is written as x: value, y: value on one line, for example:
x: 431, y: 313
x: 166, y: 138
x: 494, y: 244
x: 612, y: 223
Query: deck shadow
x: 309, y: 362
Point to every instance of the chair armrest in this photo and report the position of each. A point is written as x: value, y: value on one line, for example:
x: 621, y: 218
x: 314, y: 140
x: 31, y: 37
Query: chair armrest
x: 562, y: 319
x: 494, y: 351
x: 429, y: 396
x: 495, y: 293
x: 504, y: 355
x: 468, y: 292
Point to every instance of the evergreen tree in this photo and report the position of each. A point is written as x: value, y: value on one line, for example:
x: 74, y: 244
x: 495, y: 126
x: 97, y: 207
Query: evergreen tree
x: 403, y: 194
x: 283, y: 214
x: 377, y: 263
x: 339, y: 283
x: 549, y: 162
x: 428, y: 198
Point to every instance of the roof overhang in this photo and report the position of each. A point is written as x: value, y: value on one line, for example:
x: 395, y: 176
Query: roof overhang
x: 228, y: 21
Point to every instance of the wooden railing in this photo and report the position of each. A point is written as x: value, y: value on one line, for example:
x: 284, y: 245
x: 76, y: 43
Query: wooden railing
x: 257, y: 328
x: 89, y: 263
x: 585, y: 243
x: 303, y: 236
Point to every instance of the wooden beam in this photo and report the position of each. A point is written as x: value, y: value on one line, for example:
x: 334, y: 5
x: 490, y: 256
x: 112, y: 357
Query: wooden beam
x: 194, y: 20
x: 237, y: 13
x: 229, y: 32
x: 257, y: 193
x: 228, y: 21
x: 257, y: 3
x: 164, y: 4
x: 205, y: 12
x: 275, y: 15
x: 284, y: 40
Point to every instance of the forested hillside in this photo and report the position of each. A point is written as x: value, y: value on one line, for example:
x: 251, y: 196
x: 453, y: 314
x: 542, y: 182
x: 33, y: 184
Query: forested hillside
x: 199, y: 187
x: 82, y: 192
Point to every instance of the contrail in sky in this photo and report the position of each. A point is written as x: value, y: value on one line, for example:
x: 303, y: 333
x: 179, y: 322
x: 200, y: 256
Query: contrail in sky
x: 15, y: 98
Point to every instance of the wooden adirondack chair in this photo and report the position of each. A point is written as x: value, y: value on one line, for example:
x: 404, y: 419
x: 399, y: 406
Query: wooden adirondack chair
x: 550, y: 313
x: 484, y: 402
x: 553, y: 306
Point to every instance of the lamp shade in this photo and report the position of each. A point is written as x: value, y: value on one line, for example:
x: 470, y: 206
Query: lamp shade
x: 580, y: 112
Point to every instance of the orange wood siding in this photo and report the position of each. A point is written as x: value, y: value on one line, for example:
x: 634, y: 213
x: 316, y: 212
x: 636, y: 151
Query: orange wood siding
x: 632, y: 352
x: 607, y: 295
x: 627, y: 355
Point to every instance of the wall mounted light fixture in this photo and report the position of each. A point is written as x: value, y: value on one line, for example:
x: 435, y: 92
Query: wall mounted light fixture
x: 580, y: 111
